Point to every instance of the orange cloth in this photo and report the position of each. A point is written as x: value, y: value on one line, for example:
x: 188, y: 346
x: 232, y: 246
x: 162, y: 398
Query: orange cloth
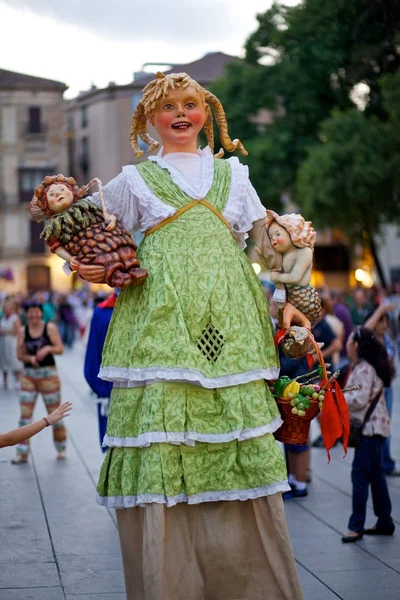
x: 335, y: 418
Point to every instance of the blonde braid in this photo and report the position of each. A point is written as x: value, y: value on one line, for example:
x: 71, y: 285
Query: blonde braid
x: 139, y: 122
x: 227, y: 143
x: 208, y: 128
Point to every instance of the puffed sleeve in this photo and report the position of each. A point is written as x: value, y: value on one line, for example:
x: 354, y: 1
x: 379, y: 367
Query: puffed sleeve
x: 121, y: 202
x: 243, y: 207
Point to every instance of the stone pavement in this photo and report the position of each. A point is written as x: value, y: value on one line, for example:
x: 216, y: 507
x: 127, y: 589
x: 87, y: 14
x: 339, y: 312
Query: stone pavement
x: 56, y: 543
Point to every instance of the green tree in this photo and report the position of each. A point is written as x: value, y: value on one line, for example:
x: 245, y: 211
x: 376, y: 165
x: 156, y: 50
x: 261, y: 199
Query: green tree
x: 303, y: 64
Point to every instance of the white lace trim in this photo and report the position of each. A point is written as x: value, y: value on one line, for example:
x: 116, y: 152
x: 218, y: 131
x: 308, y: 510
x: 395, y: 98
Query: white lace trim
x: 229, y: 495
x: 206, y: 174
x: 130, y: 377
x: 189, y: 438
x: 152, y: 209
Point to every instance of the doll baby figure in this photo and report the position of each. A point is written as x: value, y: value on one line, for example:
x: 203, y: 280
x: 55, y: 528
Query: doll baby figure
x: 83, y: 234
x: 293, y: 238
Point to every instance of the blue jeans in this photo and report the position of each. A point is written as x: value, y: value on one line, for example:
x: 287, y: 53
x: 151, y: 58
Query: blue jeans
x: 367, y: 470
x: 388, y: 462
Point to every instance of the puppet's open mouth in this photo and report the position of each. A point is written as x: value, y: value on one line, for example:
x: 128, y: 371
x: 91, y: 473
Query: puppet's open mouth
x: 182, y: 125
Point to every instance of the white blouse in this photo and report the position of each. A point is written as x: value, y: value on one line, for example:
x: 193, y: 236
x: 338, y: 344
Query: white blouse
x: 129, y: 198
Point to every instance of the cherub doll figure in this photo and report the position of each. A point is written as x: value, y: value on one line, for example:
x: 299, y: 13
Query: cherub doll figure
x: 82, y: 234
x: 191, y: 417
x: 293, y: 238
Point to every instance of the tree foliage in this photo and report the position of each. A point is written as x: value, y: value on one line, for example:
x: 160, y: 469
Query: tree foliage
x: 304, y: 65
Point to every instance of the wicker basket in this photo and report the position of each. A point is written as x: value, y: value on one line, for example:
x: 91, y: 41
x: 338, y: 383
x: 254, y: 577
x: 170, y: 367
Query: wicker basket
x: 295, y: 429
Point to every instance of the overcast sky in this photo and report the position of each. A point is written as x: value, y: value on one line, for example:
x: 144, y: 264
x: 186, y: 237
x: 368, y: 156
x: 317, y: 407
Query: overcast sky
x: 82, y: 42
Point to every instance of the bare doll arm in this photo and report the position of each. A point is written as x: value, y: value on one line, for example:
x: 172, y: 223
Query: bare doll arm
x: 64, y: 254
x: 302, y: 264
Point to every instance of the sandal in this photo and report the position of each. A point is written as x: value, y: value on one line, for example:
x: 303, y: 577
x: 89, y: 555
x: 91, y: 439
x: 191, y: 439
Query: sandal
x: 61, y: 455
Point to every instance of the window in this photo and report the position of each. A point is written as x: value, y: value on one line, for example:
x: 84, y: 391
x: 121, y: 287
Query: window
x: 84, y: 117
x: 29, y: 179
x: 35, y: 120
x: 36, y: 245
x: 85, y: 157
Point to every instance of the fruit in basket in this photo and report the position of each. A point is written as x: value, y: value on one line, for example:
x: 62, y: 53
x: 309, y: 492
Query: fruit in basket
x: 320, y: 405
x: 315, y: 396
x: 292, y: 388
x: 300, y: 406
x: 321, y: 397
x: 301, y: 413
x: 307, y: 390
x: 280, y: 384
x: 294, y: 411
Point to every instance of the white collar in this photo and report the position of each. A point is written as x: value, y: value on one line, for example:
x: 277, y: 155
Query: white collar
x: 206, y: 173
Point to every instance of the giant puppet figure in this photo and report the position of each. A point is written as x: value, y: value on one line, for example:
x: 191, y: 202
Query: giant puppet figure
x: 192, y: 465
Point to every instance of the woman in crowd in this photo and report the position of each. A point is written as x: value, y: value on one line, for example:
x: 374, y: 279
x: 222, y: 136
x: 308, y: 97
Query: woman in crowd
x: 371, y: 374
x: 378, y: 322
x: 38, y: 342
x: 9, y: 327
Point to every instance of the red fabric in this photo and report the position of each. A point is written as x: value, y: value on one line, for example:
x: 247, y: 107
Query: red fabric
x: 335, y: 418
x: 108, y: 302
x: 310, y: 360
x: 53, y: 243
x: 279, y: 336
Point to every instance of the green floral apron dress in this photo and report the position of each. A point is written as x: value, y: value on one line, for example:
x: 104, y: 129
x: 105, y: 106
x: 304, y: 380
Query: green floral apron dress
x: 191, y: 417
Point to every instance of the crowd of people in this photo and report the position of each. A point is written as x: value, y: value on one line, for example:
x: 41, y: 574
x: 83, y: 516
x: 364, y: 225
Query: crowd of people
x: 360, y: 333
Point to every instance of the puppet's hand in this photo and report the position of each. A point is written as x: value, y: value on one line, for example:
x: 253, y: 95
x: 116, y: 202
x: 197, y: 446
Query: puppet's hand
x: 92, y: 273
x: 275, y: 276
x: 111, y: 220
x: 74, y: 264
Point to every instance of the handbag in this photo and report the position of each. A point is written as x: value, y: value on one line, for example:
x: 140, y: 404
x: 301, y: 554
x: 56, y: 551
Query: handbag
x: 356, y: 425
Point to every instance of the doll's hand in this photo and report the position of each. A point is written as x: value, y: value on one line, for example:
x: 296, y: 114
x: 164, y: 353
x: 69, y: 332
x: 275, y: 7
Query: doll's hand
x: 275, y: 276
x: 112, y: 219
x: 62, y: 411
x: 74, y: 264
x: 92, y: 273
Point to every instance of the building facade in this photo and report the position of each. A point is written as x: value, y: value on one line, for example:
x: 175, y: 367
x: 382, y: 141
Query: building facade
x: 32, y: 145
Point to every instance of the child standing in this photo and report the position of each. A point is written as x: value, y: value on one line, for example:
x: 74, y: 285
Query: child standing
x: 371, y: 374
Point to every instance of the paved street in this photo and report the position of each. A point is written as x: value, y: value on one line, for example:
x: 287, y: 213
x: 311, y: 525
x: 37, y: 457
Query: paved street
x: 56, y: 543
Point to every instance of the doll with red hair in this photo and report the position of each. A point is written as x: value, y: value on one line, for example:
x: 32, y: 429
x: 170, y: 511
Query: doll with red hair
x: 83, y: 234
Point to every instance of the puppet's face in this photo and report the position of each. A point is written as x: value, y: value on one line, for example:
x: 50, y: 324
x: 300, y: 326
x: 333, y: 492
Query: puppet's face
x: 59, y: 197
x: 180, y: 116
x: 280, y: 239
